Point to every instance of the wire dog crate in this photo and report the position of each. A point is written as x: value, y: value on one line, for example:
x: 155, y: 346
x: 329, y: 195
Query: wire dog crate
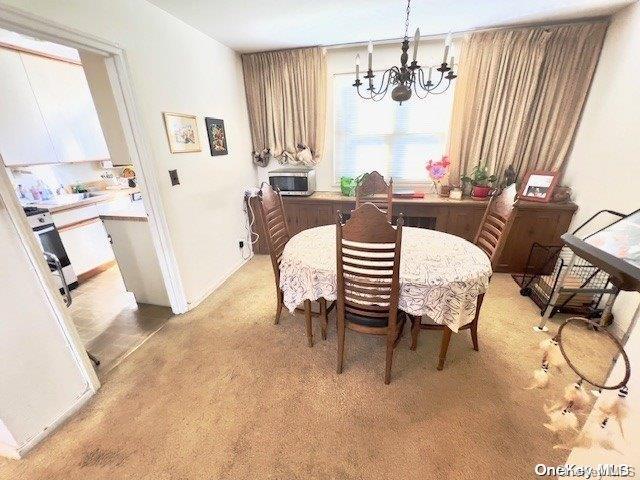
x: 559, y: 281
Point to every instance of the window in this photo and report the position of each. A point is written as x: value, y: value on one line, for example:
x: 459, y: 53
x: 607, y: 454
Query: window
x: 397, y: 140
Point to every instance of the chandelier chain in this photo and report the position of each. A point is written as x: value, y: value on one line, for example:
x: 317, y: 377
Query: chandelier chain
x: 406, y: 23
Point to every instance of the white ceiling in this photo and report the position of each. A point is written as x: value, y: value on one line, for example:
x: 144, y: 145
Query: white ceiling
x: 249, y: 26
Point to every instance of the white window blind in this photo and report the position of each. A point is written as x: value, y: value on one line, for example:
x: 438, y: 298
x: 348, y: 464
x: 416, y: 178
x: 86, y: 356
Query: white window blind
x: 396, y: 140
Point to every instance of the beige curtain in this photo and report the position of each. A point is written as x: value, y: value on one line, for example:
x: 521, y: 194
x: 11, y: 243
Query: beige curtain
x: 519, y: 96
x: 286, y: 97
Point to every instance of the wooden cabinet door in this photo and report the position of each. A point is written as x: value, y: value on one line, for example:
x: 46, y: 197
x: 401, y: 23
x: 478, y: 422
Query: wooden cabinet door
x: 24, y: 139
x: 543, y: 226
x: 464, y: 222
x: 65, y: 101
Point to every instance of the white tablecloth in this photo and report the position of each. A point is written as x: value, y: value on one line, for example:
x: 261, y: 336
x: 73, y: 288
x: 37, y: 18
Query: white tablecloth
x: 441, y: 275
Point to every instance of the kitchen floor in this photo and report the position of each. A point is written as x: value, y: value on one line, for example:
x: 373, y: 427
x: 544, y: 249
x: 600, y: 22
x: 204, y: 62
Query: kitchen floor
x: 110, y: 322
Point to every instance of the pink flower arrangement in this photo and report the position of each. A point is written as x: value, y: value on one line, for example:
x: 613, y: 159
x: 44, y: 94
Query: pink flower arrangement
x: 438, y: 170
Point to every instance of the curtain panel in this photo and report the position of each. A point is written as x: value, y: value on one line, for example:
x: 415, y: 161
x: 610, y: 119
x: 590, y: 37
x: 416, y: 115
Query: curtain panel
x: 286, y: 99
x: 520, y: 95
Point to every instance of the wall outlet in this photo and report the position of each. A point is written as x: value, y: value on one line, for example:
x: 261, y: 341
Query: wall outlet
x: 240, y: 243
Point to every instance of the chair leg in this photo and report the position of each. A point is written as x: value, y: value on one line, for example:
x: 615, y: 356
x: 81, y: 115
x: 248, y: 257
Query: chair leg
x: 415, y: 331
x: 388, y: 361
x: 444, y: 346
x: 307, y: 315
x: 279, y: 307
x: 323, y: 317
x: 474, y: 335
x: 474, y: 325
x: 341, y: 334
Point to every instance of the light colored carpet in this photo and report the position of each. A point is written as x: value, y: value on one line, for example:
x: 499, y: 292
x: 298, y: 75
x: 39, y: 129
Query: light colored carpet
x: 222, y: 393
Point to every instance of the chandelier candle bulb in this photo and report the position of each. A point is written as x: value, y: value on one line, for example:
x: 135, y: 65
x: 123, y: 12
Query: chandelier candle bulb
x: 370, y: 50
x: 447, y: 44
x: 452, y: 62
x: 358, y: 66
x: 416, y: 39
x: 430, y: 72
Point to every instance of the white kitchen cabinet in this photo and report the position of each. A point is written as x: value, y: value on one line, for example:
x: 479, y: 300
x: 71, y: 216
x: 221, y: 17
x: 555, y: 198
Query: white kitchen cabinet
x: 64, y: 98
x: 24, y: 138
x: 87, y: 246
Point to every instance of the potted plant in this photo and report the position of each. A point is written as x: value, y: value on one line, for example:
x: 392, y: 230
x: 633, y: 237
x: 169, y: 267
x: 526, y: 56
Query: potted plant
x: 480, y: 180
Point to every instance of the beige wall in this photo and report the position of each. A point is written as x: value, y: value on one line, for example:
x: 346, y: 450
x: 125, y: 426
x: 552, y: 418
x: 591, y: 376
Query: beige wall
x: 604, y: 172
x: 604, y: 167
x: 176, y: 68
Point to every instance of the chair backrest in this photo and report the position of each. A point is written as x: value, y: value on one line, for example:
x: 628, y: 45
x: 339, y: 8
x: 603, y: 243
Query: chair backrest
x: 368, y: 264
x: 496, y: 223
x: 274, y: 223
x: 373, y: 189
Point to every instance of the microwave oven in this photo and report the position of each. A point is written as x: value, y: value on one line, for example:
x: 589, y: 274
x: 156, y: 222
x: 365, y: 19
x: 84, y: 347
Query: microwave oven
x: 299, y: 181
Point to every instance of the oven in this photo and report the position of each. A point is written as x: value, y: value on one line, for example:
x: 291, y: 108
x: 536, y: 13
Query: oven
x: 42, y: 225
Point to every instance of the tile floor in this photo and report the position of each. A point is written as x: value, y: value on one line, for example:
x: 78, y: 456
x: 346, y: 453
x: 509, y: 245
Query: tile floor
x: 109, y: 321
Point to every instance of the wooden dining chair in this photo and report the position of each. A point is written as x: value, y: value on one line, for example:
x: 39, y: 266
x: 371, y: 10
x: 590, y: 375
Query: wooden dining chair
x: 373, y: 189
x: 368, y: 265
x: 492, y: 234
x: 277, y: 235
x: 496, y: 224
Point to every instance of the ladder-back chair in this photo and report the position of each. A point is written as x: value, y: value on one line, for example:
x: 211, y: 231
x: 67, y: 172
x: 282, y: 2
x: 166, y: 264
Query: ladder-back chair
x: 373, y: 189
x: 368, y: 265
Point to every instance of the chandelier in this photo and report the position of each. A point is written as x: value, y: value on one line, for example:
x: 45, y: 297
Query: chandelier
x: 406, y: 78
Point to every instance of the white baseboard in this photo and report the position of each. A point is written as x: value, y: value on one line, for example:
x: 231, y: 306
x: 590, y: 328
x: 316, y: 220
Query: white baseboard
x: 33, y: 441
x: 212, y: 288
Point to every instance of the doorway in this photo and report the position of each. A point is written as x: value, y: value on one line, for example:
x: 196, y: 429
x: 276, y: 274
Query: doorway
x: 123, y: 322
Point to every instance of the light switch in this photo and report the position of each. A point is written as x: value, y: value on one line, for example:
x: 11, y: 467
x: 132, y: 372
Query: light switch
x: 173, y: 175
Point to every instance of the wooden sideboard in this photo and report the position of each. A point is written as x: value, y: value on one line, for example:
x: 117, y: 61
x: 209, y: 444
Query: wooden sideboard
x: 534, y: 222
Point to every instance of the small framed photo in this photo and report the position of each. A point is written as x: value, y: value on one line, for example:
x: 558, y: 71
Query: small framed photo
x: 217, y: 136
x: 538, y: 186
x: 182, y: 132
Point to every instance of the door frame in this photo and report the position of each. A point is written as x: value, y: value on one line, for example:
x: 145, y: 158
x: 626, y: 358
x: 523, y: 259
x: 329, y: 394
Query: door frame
x: 119, y: 77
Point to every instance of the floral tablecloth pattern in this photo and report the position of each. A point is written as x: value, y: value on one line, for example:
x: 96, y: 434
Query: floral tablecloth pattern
x: 441, y: 275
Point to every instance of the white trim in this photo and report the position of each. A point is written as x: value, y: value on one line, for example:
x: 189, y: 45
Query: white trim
x: 212, y: 288
x: 33, y: 441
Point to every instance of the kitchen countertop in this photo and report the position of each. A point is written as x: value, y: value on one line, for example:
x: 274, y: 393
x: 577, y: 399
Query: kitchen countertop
x: 135, y: 212
x: 100, y: 196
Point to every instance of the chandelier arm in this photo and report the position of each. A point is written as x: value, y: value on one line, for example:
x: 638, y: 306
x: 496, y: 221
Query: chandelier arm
x: 420, y: 76
x: 444, y: 89
x: 415, y: 88
x: 436, y: 85
x: 389, y: 75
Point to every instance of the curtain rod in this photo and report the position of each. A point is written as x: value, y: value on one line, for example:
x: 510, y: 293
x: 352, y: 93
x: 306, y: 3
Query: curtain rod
x: 441, y: 36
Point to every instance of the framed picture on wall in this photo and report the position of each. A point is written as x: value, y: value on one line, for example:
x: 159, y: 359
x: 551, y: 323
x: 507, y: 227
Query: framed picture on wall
x: 217, y: 136
x: 182, y: 132
x: 538, y: 186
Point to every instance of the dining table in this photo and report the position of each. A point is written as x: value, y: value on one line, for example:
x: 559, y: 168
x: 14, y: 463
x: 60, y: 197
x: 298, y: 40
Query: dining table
x: 441, y: 275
